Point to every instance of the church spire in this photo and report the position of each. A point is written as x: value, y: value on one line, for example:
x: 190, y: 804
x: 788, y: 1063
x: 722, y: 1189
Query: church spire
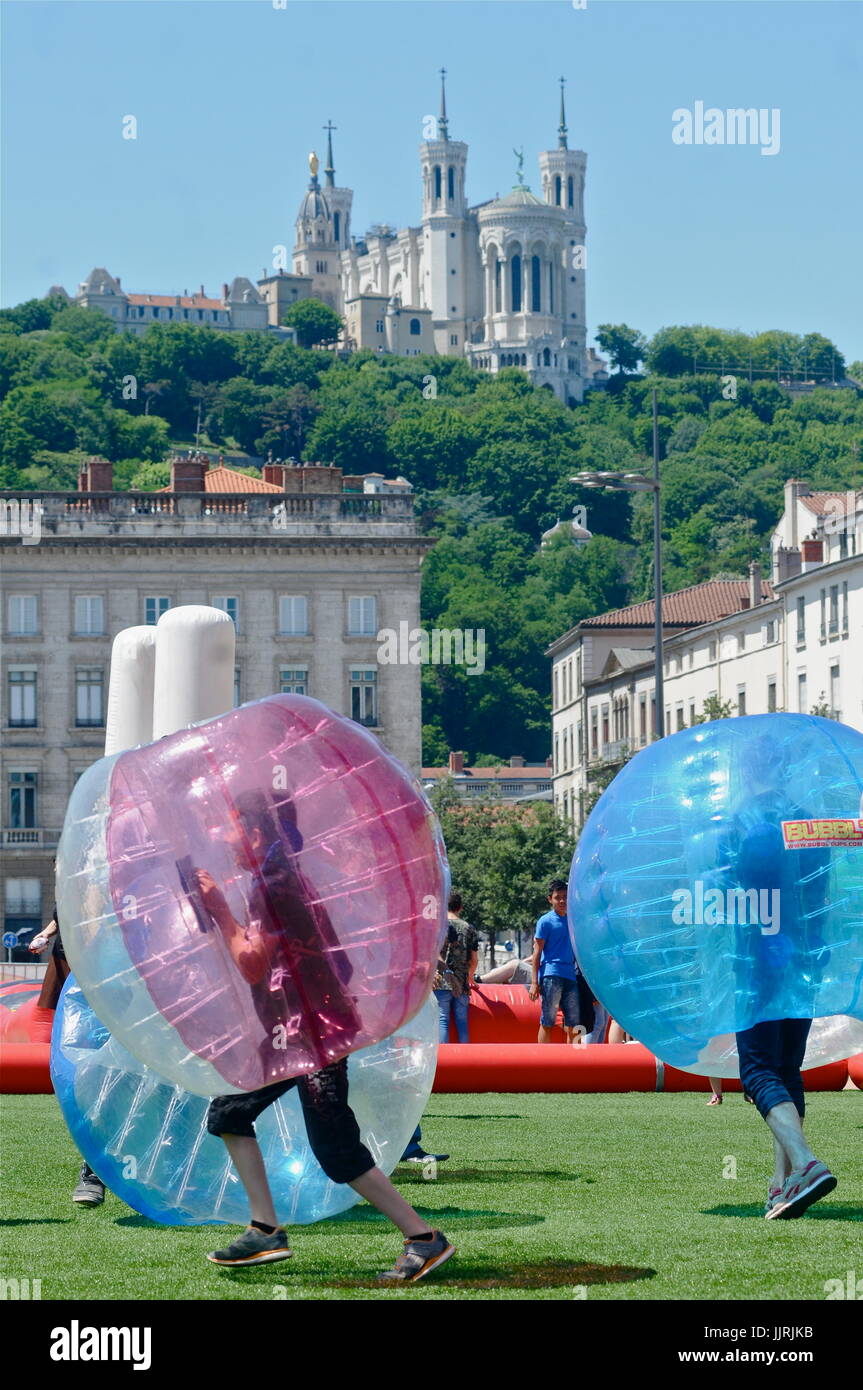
x: 443, y: 124
x: 329, y: 170
x: 561, y: 129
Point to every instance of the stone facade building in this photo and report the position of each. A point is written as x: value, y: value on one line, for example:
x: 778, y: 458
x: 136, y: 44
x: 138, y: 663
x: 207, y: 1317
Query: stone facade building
x: 793, y: 643
x: 309, y: 563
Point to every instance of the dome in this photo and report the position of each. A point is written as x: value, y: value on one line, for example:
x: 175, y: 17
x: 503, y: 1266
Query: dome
x: 519, y: 198
x: 314, y: 204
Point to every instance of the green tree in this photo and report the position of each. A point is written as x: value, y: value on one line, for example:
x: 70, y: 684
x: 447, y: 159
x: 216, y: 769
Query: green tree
x: 625, y: 346
x: 151, y: 477
x: 501, y: 858
x: 314, y: 322
x: 714, y: 708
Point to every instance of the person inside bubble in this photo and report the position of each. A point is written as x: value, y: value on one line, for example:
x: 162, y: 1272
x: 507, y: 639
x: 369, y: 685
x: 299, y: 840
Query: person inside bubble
x: 286, y: 949
x: 778, y: 960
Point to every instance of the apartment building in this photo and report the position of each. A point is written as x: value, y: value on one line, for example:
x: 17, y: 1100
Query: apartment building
x: 794, y: 642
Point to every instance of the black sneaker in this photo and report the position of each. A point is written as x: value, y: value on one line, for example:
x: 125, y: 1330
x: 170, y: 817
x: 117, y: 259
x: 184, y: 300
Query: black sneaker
x: 253, y: 1247
x: 419, y: 1155
x: 90, y: 1191
x: 420, y: 1257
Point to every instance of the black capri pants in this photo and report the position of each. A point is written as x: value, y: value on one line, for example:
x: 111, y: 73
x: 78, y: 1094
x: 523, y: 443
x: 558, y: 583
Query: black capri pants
x: 334, y: 1135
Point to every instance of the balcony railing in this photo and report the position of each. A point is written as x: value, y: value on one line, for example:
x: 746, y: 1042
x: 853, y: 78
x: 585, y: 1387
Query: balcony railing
x: 31, y: 836
x: 63, y: 512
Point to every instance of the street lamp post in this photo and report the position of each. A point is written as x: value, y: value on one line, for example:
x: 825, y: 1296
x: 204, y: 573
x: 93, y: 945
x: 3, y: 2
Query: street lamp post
x: 637, y: 482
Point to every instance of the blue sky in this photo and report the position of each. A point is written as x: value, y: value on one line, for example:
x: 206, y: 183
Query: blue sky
x: 230, y: 96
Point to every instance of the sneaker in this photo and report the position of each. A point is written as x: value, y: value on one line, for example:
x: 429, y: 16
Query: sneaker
x: 253, y: 1247
x: 419, y: 1155
x: 773, y: 1196
x: 420, y: 1257
x: 90, y: 1191
x: 802, y: 1189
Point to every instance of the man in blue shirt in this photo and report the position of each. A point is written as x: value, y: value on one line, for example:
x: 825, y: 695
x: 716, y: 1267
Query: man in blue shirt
x: 555, y: 974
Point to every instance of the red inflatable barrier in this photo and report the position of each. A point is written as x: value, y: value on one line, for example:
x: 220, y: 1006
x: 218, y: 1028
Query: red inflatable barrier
x: 24, y: 1069
x: 501, y: 1014
x: 558, y: 1067
x: 831, y: 1077
x: 855, y: 1070
x: 25, y: 1038
x: 513, y: 1067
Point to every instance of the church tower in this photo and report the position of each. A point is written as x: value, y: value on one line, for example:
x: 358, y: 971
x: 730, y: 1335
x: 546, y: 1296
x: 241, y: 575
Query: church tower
x: 445, y: 287
x: 316, y: 253
x: 562, y: 171
x: 340, y: 201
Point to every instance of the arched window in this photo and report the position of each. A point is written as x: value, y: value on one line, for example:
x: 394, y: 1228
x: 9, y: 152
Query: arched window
x: 557, y: 189
x: 569, y: 192
x: 535, y: 271
x: 497, y: 286
x: 437, y: 181
x: 546, y: 357
x: 338, y: 218
x: 551, y: 287
x: 450, y: 182
x: 415, y: 326
x: 524, y: 359
x: 516, y: 284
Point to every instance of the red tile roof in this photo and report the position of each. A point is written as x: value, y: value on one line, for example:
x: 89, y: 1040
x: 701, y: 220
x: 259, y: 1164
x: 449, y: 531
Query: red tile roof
x: 818, y: 502
x: 185, y: 301
x: 701, y: 603
x: 222, y: 479
x: 228, y: 480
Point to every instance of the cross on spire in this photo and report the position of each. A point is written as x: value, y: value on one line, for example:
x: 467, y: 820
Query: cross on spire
x: 561, y: 129
x: 328, y: 167
x: 443, y: 124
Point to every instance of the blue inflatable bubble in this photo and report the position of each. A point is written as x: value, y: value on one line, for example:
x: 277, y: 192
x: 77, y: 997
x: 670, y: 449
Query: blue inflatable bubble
x: 147, y: 1139
x: 718, y: 883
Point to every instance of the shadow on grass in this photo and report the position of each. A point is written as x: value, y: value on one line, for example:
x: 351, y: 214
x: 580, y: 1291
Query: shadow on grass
x: 36, y: 1221
x: 540, y: 1274
x: 460, y: 1218
x: 411, y: 1176
x: 429, y: 1116
x: 831, y: 1213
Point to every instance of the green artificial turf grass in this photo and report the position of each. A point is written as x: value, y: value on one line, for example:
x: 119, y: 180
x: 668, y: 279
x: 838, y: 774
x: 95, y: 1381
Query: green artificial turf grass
x: 545, y: 1196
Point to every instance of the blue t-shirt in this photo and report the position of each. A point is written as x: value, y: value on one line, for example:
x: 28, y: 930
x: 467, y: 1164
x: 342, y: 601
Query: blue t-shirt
x: 557, y: 955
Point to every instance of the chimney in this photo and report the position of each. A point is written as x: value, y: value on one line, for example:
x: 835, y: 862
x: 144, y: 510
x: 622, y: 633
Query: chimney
x: 202, y: 291
x: 754, y: 584
x: 548, y: 762
x: 516, y: 761
x: 117, y: 278
x: 787, y: 560
x: 225, y: 292
x: 794, y: 489
x: 456, y: 762
x: 813, y: 555
x: 97, y: 475
x: 187, y: 472
x: 274, y: 473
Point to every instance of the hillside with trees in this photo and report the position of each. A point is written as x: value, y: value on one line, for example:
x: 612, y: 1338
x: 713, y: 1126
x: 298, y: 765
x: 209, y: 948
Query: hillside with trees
x: 489, y: 457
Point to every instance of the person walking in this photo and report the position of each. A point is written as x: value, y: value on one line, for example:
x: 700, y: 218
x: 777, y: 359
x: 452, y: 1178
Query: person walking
x: 456, y: 971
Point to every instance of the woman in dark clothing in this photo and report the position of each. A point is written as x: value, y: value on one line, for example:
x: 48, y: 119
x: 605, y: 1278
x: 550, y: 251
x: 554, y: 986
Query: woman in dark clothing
x: 90, y: 1191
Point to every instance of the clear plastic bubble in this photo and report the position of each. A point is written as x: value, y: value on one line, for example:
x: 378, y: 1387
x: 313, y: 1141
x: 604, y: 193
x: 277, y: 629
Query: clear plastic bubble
x: 254, y: 897
x: 147, y: 1140
x: 706, y: 895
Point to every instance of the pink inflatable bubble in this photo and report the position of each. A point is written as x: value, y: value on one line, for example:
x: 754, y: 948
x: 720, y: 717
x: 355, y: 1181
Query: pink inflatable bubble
x: 254, y: 897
